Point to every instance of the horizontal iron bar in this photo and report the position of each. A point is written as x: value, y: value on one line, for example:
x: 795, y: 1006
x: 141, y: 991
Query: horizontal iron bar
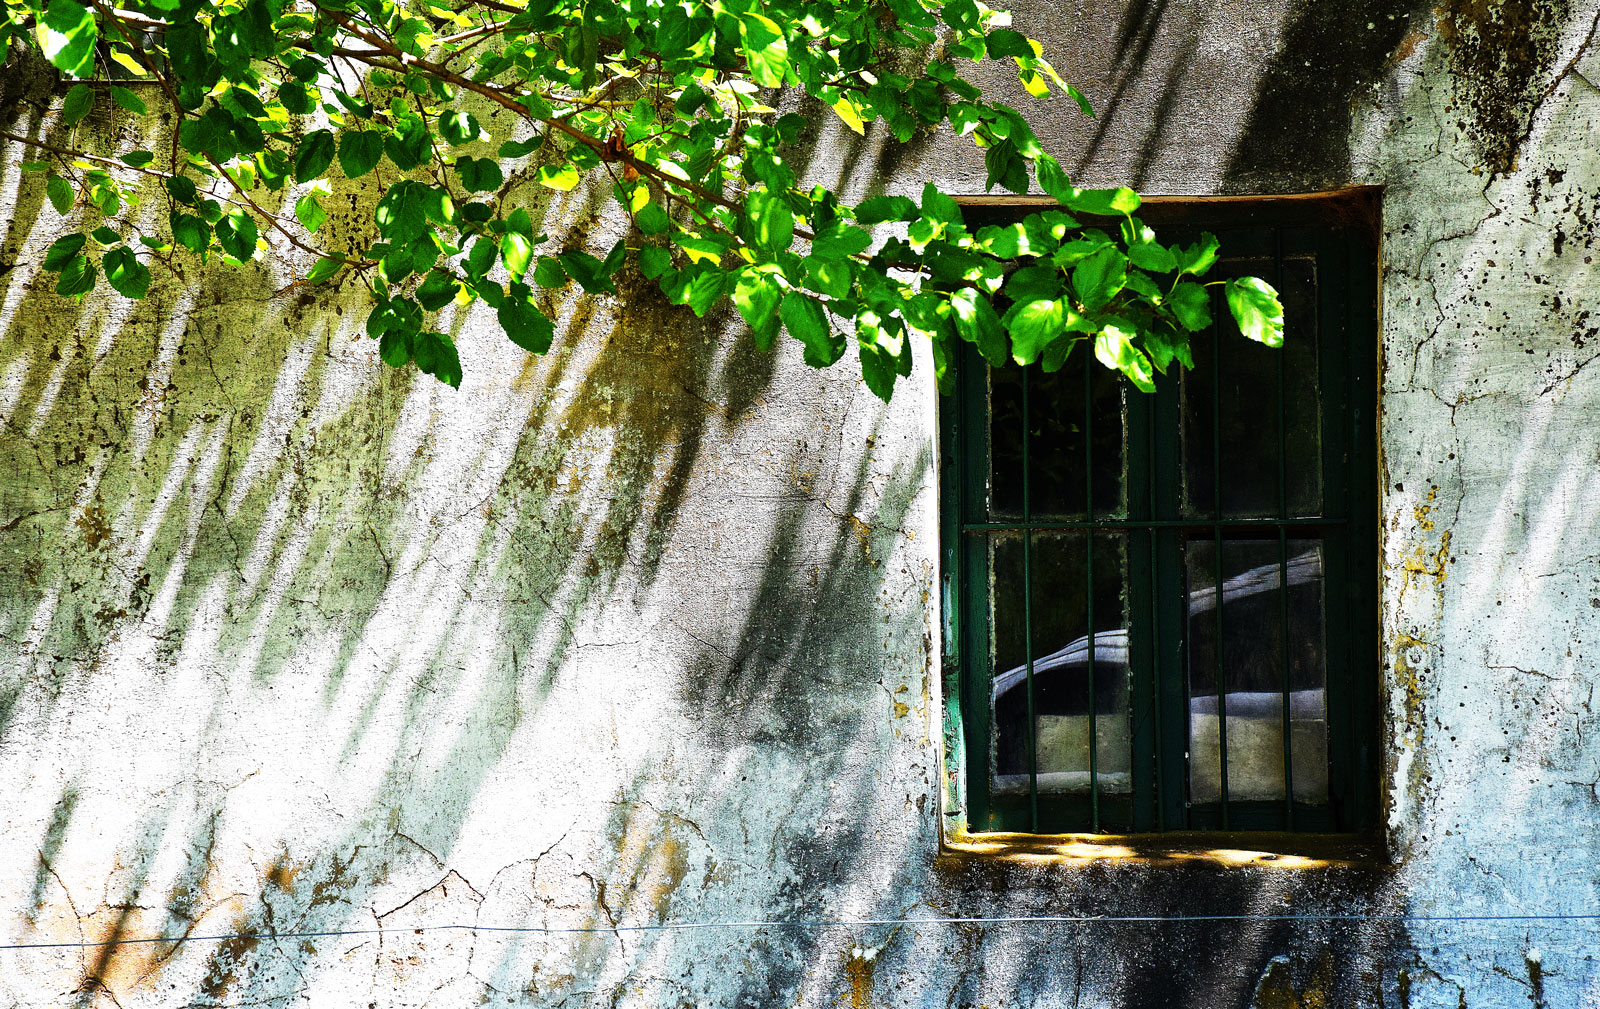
x: 1115, y: 524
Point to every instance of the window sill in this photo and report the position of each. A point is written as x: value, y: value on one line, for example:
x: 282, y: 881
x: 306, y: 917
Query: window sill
x: 1210, y: 849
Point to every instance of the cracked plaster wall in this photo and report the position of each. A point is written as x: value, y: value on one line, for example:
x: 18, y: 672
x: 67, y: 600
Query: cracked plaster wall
x: 644, y: 631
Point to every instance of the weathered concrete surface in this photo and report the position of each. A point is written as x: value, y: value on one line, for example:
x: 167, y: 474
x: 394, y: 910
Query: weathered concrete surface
x: 646, y: 631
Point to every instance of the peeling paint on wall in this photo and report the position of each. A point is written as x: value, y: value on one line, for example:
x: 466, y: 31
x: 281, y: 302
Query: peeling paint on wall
x: 639, y: 633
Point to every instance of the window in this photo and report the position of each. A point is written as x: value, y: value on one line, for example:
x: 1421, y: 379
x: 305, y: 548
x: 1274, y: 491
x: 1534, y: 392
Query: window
x: 1161, y: 609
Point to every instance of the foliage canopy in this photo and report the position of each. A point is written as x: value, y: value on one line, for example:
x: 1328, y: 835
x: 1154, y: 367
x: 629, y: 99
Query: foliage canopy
x: 675, y: 105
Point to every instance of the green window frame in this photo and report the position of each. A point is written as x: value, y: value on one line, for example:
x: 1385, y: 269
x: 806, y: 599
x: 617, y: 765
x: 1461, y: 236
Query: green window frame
x: 1197, y: 565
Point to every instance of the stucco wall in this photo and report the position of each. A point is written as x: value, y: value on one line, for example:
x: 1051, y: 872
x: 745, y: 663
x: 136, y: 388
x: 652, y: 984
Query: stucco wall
x: 646, y: 632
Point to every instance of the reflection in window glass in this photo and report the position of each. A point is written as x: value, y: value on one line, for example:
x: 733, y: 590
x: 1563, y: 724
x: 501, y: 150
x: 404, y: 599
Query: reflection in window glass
x: 1063, y: 702
x: 1005, y: 442
x: 1240, y: 397
x: 1256, y: 674
x: 1059, y: 429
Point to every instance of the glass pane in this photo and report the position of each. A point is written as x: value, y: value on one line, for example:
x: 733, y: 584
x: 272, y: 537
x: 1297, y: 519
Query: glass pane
x: 1063, y: 702
x: 1061, y: 432
x: 1005, y: 441
x: 1238, y: 395
x: 1254, y: 669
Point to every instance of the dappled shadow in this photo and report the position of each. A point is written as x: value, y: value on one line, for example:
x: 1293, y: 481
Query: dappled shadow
x: 642, y: 633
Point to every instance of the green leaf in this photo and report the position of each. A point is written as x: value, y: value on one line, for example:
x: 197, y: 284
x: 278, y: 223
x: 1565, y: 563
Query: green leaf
x: 296, y: 98
x: 77, y: 277
x: 182, y: 188
x: 1256, y: 308
x: 807, y: 322
x: 69, y: 37
x: 458, y: 128
x: 1192, y: 305
x: 1052, y: 179
x: 771, y: 221
x: 756, y: 295
x: 410, y: 145
x: 62, y: 251
x: 654, y: 261
x: 520, y: 148
x: 480, y: 260
x: 832, y: 277
x: 310, y: 213
x: 938, y: 207
x: 1200, y: 257
x: 105, y: 236
x: 886, y: 208
x: 840, y: 240
x: 701, y: 248
x: 359, y: 152
x: 1006, y: 167
x: 1152, y: 256
x: 79, y: 100
x: 190, y: 231
x: 237, y: 234
x: 558, y: 177
x: 314, y: 156
x: 526, y: 325
x: 394, y: 346
x: 136, y: 159
x: 517, y: 251
x: 479, y: 175
x: 845, y: 109
x: 549, y: 272
x: 436, y: 355
x: 1004, y: 42
x: 400, y: 214
x: 1107, y: 202
x: 699, y: 287
x: 324, y: 268
x: 1008, y: 242
x: 1098, y: 278
x: 60, y: 192
x: 128, y: 100
x: 879, y: 365
x: 437, y: 290
x: 130, y: 277
x: 765, y: 49
x: 1033, y: 326
x: 1165, y: 345
x: 436, y: 203
x: 1114, y: 347
x: 244, y: 102
x: 652, y: 220
x: 591, y: 273
x: 977, y: 324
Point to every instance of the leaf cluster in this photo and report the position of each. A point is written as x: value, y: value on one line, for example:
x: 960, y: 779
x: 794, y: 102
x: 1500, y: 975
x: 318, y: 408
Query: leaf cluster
x: 672, y: 107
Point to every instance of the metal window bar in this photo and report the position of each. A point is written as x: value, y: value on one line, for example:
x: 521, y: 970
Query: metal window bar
x: 1283, y: 551
x: 1027, y: 607
x: 1114, y: 524
x: 1166, y: 532
x: 1088, y: 569
x: 1218, y: 674
x: 1152, y: 620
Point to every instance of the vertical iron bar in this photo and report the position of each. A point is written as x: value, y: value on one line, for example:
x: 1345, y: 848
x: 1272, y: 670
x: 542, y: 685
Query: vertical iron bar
x: 1088, y: 513
x: 1283, y: 551
x: 1155, y: 627
x: 1027, y: 607
x: 1216, y: 494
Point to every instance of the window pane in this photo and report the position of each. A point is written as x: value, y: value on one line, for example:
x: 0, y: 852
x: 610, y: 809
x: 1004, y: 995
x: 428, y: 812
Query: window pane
x: 1062, y: 432
x: 1254, y: 668
x: 1239, y: 396
x: 1061, y: 673
x: 1005, y: 441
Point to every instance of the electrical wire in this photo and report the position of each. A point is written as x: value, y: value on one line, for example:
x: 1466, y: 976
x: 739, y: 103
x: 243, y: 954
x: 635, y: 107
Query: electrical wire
x: 824, y: 923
